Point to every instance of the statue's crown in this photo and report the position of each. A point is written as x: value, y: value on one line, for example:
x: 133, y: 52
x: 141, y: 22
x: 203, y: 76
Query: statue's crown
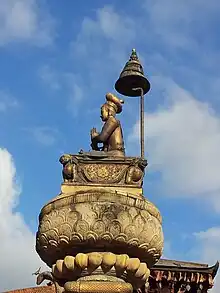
x: 115, y: 102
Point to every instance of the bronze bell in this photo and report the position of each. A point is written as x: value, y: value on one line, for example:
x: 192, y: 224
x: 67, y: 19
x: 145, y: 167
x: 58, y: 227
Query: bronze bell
x: 131, y: 77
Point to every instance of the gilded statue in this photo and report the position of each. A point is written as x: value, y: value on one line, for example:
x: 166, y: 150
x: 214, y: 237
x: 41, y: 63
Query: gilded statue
x: 111, y: 136
x: 135, y: 172
x: 68, y: 167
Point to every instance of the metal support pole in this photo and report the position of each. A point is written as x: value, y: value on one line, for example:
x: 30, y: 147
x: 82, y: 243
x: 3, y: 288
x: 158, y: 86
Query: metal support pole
x: 142, y: 123
x: 141, y: 120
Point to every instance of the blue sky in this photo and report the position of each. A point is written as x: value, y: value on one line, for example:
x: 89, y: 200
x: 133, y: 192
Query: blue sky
x: 59, y: 59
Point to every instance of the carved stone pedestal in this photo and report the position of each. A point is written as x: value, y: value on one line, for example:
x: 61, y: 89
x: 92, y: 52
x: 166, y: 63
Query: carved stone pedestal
x: 100, y: 233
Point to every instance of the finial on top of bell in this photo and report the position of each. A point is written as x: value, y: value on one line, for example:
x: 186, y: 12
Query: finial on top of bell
x: 132, y: 77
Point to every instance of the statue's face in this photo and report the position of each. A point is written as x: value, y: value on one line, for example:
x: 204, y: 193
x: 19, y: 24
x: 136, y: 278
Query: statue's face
x: 104, y: 113
x: 65, y: 159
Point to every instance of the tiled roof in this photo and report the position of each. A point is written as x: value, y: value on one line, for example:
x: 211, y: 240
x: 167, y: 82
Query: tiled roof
x: 40, y: 289
x: 181, y: 266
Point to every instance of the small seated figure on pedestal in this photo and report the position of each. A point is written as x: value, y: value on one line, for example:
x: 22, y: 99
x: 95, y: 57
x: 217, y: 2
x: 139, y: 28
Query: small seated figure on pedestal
x: 111, y: 134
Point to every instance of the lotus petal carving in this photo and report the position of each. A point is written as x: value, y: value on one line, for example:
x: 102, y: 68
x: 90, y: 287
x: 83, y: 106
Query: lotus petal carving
x: 114, y: 224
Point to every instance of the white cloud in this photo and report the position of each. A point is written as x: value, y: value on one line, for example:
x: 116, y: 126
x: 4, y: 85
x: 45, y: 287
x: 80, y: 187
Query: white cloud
x: 17, y: 253
x: 183, y: 139
x: 182, y: 24
x: 49, y: 77
x: 23, y: 20
x: 208, y: 243
x: 75, y: 92
x: 109, y: 26
x: 7, y: 101
x: 69, y: 82
x: 44, y: 135
x: 182, y: 43
x: 103, y: 43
